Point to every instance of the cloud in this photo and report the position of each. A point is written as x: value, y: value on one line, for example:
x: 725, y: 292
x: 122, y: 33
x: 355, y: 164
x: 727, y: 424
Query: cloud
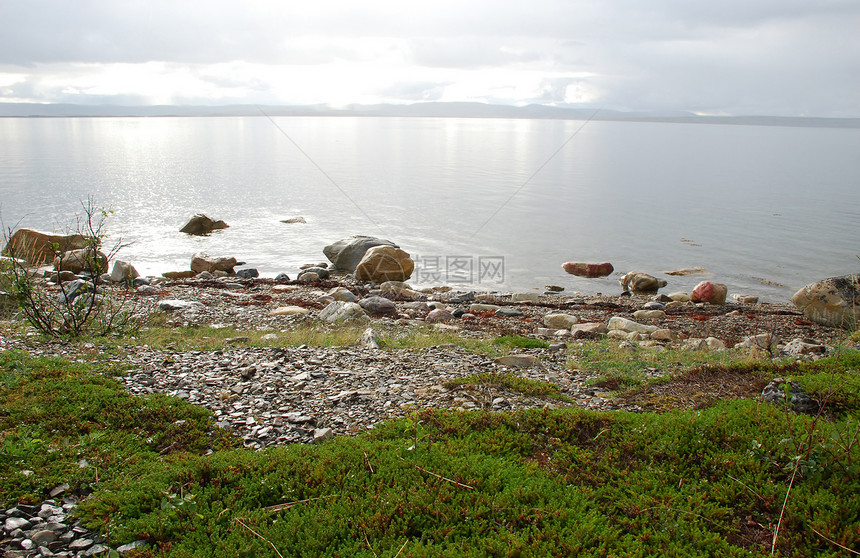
x: 736, y: 56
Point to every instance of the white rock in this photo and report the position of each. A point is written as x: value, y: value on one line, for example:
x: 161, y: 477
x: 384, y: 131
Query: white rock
x: 170, y: 305
x: 649, y: 314
x: 289, y: 311
x: 339, y: 311
x: 623, y: 324
x: 525, y: 297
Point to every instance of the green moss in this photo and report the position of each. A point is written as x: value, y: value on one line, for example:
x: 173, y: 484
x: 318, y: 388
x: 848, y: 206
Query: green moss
x: 708, y: 482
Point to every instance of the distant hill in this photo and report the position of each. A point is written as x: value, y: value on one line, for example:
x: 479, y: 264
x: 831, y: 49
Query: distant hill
x: 427, y: 110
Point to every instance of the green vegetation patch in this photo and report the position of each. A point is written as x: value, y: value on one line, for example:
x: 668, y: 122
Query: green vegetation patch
x: 718, y: 481
x: 510, y: 382
x: 62, y: 423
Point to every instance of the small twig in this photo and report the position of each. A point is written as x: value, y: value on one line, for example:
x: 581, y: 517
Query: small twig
x: 423, y: 470
x: 280, y: 507
x: 748, y: 488
x: 401, y: 549
x: 831, y: 541
x: 368, y: 543
x: 237, y: 520
x: 367, y: 460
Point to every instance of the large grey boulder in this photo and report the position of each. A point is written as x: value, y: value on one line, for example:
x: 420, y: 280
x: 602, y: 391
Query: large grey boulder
x: 347, y: 253
x: 833, y: 302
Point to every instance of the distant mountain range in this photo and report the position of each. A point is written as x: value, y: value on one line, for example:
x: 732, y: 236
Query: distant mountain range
x: 427, y: 110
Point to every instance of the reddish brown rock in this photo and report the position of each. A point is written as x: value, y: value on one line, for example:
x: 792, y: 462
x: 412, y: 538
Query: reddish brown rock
x: 589, y: 270
x: 712, y: 293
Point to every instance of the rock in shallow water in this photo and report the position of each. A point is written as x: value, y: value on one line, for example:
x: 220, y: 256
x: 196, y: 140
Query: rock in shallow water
x: 588, y: 270
x: 639, y: 282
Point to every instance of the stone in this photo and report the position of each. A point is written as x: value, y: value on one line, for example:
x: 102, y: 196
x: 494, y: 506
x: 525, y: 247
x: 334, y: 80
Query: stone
x: 13, y: 523
x: 507, y: 312
x: 439, y: 315
x: 663, y: 335
x: 84, y: 259
x: 294, y: 220
x: 322, y: 272
x: 384, y: 263
x: 687, y: 271
x: 62, y: 276
x: 378, y: 306
x: 712, y: 293
x: 762, y: 341
x: 785, y: 392
x: 694, y: 344
x: 135, y: 545
x: 639, y: 282
x: 589, y: 327
x: 745, y: 299
x: 555, y: 347
x: 289, y: 311
x: 308, y: 277
x: 369, y: 339
x: 554, y: 288
x: 801, y: 346
x: 517, y: 361
x: 201, y: 225
x: 70, y: 291
x: 649, y: 315
x: 282, y: 277
x: 343, y: 294
x: 123, y: 272
x: 248, y: 273
x: 588, y: 270
x: 833, y: 302
x: 525, y: 297
x: 347, y: 253
x: 560, y: 321
x: 623, y: 324
x: 39, y: 248
x: 202, y: 262
x: 170, y: 305
x: 338, y: 312
x: 43, y: 537
x: 715, y: 344
x: 482, y: 308
x: 321, y: 434
x: 679, y: 297
x: 654, y: 305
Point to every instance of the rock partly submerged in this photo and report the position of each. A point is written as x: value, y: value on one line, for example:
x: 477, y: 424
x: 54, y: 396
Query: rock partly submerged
x: 201, y: 225
x: 345, y: 254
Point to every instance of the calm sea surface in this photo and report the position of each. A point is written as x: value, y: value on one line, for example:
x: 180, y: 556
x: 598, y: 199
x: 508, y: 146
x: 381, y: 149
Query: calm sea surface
x: 763, y: 209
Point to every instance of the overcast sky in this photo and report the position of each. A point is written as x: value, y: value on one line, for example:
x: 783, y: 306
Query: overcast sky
x: 739, y: 57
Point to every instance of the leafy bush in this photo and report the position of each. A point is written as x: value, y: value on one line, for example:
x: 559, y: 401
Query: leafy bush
x: 71, y: 308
